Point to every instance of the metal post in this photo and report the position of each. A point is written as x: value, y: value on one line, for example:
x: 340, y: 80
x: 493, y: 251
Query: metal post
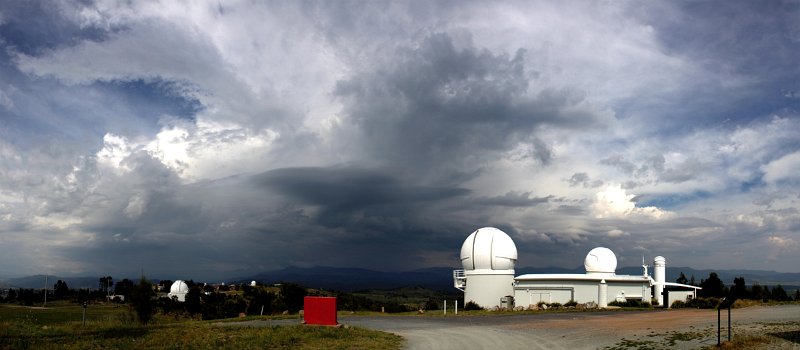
x: 456, y: 306
x: 719, y: 313
x: 84, y: 313
x: 445, y: 307
x: 729, y: 324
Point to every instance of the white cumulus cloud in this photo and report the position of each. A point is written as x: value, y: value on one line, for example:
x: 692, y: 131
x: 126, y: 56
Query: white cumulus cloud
x: 614, y: 202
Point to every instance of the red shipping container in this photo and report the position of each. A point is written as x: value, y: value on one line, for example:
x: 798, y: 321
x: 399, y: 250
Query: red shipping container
x: 320, y: 311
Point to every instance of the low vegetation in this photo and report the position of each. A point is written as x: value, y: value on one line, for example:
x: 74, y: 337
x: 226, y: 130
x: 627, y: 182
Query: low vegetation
x: 631, y: 303
x: 115, y: 327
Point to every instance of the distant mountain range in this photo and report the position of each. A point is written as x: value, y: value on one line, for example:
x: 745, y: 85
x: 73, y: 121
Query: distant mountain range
x: 37, y: 281
x: 436, y: 278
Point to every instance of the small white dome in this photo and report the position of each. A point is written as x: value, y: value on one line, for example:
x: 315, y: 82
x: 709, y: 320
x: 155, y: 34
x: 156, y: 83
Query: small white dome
x: 490, y: 249
x: 660, y: 261
x: 179, y: 287
x: 600, y: 260
x: 252, y: 283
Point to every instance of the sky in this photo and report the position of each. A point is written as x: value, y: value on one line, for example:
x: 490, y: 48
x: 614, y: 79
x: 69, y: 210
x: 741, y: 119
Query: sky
x: 203, y: 139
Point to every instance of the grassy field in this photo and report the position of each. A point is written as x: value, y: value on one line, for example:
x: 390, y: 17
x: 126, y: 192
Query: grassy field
x: 114, y: 327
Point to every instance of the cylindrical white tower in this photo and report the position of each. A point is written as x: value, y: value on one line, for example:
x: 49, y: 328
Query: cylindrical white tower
x: 659, y: 275
x: 488, y: 256
x: 602, y: 294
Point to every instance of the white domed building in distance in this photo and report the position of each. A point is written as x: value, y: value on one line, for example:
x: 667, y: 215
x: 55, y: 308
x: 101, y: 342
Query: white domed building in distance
x: 179, y: 289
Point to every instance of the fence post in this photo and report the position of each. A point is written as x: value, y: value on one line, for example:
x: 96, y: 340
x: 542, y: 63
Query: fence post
x: 445, y: 307
x: 456, y: 306
x: 729, y: 324
x: 719, y: 312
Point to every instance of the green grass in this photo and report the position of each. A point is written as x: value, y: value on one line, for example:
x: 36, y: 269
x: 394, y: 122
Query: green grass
x: 111, y: 326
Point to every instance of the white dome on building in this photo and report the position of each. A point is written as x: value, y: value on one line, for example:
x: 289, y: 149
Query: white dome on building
x: 489, y: 249
x: 178, y: 289
x: 600, y: 260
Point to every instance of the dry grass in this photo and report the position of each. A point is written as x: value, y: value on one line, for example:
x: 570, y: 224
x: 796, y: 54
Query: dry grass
x: 114, y: 328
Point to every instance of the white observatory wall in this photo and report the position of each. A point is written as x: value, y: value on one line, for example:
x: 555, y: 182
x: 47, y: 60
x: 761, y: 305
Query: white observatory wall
x: 659, y: 275
x: 680, y: 295
x: 561, y: 291
x: 486, y: 287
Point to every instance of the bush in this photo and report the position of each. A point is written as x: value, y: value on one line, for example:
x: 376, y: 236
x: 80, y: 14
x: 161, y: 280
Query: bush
x: 431, y: 305
x: 572, y: 303
x: 471, y: 305
x: 631, y: 303
x: 703, y: 303
x: 678, y: 304
x: 142, y: 302
x: 554, y: 305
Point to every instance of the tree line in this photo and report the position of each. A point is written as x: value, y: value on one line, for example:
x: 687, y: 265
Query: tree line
x: 713, y: 287
x: 202, y: 300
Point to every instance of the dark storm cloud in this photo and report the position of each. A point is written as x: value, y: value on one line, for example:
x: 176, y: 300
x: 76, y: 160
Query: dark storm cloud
x: 349, y: 188
x: 436, y: 105
x: 514, y: 199
x: 343, y: 191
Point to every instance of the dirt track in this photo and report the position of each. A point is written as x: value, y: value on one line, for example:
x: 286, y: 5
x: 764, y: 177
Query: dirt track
x: 685, y: 328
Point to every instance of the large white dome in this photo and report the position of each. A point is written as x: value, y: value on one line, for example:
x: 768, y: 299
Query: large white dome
x: 600, y: 260
x: 179, y: 287
x: 490, y: 249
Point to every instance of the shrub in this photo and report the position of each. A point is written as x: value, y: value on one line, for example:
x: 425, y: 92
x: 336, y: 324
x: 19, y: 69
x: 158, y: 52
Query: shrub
x: 142, y: 302
x: 630, y: 303
x: 431, y: 305
x: 554, y: 305
x: 571, y: 303
x: 471, y: 305
x: 678, y: 304
x: 703, y: 303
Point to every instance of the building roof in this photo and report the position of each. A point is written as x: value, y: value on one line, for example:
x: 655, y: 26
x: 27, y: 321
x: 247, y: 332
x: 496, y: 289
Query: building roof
x: 581, y: 277
x: 679, y: 286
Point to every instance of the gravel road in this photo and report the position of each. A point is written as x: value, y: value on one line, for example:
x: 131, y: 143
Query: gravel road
x: 648, y: 329
x: 685, y: 328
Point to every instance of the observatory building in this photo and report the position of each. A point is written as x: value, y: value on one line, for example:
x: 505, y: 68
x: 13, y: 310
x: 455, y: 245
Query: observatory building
x: 488, y: 256
x: 179, y: 289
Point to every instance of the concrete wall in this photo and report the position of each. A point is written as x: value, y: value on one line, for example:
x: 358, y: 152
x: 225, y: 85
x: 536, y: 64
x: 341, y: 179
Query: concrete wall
x: 680, y: 295
x: 487, y: 289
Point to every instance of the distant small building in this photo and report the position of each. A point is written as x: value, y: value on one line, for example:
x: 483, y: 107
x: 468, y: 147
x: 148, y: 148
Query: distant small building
x: 179, y: 289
